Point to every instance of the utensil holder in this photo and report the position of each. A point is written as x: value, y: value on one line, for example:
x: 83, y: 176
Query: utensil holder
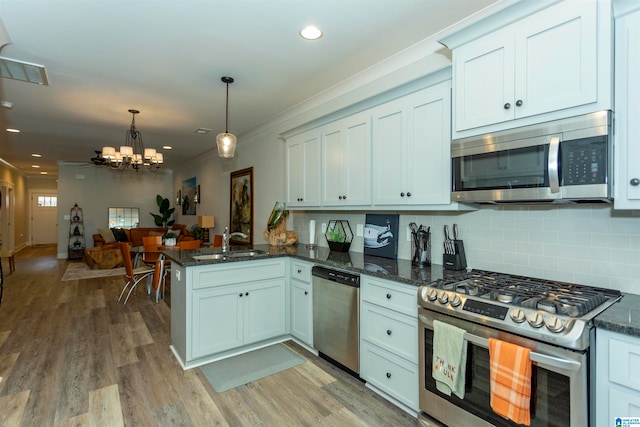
x: 421, y: 248
x: 457, y: 260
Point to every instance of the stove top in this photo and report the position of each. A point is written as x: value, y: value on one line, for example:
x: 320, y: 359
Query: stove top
x: 549, y: 311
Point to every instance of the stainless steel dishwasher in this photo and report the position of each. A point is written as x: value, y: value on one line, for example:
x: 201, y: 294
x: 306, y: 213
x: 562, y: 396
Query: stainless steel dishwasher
x: 336, y: 311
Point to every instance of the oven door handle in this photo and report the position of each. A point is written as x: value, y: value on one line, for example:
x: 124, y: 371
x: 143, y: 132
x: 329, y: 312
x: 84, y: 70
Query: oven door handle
x: 541, y: 359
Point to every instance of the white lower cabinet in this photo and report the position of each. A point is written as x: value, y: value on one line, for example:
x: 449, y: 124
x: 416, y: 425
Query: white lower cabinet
x: 389, y: 339
x: 219, y: 308
x: 301, y: 302
x: 617, y: 377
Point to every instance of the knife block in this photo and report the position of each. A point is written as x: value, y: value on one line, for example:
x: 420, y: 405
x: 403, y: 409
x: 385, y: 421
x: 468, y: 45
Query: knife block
x: 457, y: 260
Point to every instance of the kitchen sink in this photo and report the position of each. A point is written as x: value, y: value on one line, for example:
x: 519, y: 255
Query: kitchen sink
x: 231, y: 254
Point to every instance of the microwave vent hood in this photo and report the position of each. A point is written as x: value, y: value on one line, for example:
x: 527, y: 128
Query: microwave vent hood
x: 563, y: 161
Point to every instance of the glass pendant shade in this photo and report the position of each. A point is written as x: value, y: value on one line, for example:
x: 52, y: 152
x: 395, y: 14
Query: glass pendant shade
x: 226, y: 144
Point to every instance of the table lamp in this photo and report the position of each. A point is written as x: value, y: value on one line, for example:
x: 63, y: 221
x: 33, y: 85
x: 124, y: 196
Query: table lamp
x: 205, y: 222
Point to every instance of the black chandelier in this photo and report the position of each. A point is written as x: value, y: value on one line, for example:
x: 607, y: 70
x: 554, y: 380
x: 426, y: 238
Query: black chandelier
x: 132, y: 153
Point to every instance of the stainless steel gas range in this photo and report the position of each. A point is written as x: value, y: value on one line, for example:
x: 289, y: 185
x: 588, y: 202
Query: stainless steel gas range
x: 553, y: 319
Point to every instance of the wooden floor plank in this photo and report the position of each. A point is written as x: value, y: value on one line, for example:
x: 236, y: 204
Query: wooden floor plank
x: 12, y: 408
x: 104, y: 407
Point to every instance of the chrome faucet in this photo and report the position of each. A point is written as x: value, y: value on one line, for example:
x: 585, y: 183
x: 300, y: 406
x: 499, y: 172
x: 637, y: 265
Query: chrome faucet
x: 226, y: 236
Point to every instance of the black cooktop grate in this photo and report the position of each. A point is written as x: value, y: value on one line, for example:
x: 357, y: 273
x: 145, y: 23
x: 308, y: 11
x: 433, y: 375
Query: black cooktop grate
x: 547, y: 295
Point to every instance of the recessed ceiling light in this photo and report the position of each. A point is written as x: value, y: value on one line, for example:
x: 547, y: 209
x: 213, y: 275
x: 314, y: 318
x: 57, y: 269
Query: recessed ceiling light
x: 13, y: 130
x: 36, y: 155
x: 44, y: 173
x: 6, y: 104
x: 35, y: 166
x: 311, y: 32
x: 167, y: 147
x: 202, y: 131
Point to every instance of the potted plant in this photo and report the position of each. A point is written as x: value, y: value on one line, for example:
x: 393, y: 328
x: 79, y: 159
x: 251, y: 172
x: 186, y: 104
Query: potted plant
x: 164, y: 218
x: 170, y: 238
x: 197, y: 232
x: 339, y: 235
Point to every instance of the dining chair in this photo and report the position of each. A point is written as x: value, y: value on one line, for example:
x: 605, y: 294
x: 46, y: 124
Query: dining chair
x: 152, y: 249
x: 133, y: 276
x: 190, y: 244
x: 217, y: 240
x: 159, y: 277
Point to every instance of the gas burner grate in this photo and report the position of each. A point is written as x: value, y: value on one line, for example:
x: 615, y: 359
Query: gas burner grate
x: 540, y: 294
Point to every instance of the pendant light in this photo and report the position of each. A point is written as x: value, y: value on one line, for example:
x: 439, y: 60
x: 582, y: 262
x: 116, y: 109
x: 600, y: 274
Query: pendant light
x: 226, y: 141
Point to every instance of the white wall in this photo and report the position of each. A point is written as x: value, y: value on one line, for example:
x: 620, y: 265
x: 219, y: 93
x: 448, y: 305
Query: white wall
x: 96, y: 189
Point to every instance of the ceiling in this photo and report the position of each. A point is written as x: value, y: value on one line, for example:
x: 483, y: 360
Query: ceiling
x: 166, y: 58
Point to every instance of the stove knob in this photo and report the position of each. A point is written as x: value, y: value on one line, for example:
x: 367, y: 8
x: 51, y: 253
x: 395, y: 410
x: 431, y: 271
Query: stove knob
x: 432, y: 294
x: 455, y: 300
x: 517, y: 315
x: 535, y: 319
x: 554, y: 324
x: 443, y: 297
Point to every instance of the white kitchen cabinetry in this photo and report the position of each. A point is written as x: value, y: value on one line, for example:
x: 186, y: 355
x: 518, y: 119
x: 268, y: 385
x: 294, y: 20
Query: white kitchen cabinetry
x: 627, y: 112
x: 346, y: 161
x: 547, y: 62
x: 301, y: 302
x: 617, y: 377
x: 219, y: 308
x: 388, y: 339
x: 411, y: 148
x: 303, y: 169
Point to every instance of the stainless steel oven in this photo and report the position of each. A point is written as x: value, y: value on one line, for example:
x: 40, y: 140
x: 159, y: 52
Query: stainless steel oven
x: 553, y: 320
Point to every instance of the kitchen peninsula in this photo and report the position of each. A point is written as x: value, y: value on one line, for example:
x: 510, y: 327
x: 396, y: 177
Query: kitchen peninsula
x: 213, y: 314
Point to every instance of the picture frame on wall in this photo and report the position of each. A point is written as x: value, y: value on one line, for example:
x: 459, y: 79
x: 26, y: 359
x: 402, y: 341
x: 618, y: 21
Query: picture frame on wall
x: 189, y: 196
x: 241, y: 208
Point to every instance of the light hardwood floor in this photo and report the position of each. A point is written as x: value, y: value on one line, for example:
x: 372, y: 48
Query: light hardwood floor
x: 71, y: 355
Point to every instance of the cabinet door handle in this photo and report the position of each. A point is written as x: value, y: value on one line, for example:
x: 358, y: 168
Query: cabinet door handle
x: 344, y: 197
x: 240, y: 295
x: 246, y: 294
x: 306, y: 292
x: 388, y: 296
x: 519, y: 103
x: 507, y: 106
x: 401, y: 194
x: 408, y: 194
x: 339, y: 197
x: 388, y: 374
x: 388, y: 331
x: 634, y: 182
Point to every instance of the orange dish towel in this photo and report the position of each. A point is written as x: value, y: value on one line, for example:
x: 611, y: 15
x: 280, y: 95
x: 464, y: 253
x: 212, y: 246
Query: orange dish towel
x: 510, y: 369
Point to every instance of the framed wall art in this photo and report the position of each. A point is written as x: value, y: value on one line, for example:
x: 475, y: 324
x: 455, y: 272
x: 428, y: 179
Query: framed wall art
x: 189, y: 196
x: 241, y: 209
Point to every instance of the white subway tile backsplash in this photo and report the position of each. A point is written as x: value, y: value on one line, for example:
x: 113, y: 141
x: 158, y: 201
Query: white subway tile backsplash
x: 583, y: 244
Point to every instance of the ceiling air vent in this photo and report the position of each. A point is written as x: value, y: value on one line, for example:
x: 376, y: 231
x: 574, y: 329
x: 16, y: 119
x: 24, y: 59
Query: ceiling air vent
x: 23, y: 71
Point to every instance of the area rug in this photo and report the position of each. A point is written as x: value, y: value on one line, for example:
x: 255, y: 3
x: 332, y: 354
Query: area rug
x: 242, y: 369
x: 80, y: 271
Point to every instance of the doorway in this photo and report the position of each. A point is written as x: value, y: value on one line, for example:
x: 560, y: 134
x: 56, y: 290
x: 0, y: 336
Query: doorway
x: 44, y: 217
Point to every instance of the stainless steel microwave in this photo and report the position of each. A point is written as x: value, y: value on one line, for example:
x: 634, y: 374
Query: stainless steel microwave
x: 567, y: 160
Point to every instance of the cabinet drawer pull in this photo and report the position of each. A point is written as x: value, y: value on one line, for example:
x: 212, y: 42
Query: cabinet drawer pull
x: 388, y: 331
x: 388, y: 374
x: 299, y: 271
x: 246, y: 294
x: 634, y: 182
x: 401, y: 194
x: 519, y: 103
x: 507, y: 106
x: 388, y: 296
x: 306, y: 292
x: 240, y: 294
x: 408, y: 193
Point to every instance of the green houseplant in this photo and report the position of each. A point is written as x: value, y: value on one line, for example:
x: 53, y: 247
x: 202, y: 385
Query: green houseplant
x: 164, y: 218
x: 339, y: 235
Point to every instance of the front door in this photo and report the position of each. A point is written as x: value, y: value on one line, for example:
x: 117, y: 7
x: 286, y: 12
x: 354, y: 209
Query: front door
x: 44, y: 220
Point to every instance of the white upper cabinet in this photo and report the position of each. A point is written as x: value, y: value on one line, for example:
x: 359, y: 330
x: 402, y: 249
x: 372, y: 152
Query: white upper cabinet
x: 346, y: 161
x: 412, y: 149
x: 627, y: 112
x: 536, y: 69
x: 303, y: 169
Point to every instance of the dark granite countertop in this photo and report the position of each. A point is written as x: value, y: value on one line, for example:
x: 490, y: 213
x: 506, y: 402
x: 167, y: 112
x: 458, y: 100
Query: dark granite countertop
x: 398, y: 270
x: 622, y: 317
